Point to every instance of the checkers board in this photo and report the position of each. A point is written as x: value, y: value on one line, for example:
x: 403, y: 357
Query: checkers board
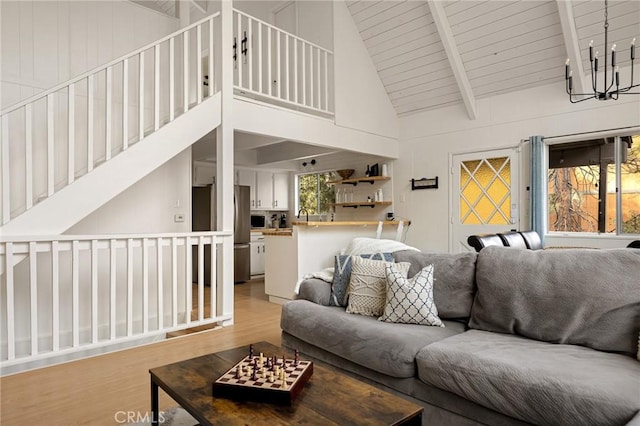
x: 243, y: 387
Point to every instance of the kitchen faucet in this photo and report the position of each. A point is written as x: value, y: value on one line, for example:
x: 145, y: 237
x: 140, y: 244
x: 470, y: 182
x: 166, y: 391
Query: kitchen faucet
x: 305, y: 210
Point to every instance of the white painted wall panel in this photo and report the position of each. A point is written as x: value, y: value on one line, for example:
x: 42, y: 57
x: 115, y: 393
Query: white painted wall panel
x: 361, y: 100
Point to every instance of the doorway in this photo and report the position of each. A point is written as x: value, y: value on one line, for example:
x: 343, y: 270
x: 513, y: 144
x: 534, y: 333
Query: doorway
x: 485, y: 195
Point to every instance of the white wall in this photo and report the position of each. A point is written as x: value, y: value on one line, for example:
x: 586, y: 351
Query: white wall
x: 361, y: 101
x: 47, y: 42
x: 429, y: 138
x: 149, y: 206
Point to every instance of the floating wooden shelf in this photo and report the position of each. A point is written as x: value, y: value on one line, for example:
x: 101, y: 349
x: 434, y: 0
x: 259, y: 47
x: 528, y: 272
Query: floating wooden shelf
x: 372, y: 204
x: 363, y: 179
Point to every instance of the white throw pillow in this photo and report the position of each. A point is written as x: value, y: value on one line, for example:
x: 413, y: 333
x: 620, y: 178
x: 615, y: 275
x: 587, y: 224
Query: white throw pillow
x: 367, y: 289
x: 410, y: 301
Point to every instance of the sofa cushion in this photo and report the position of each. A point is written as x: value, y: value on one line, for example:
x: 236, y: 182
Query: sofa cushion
x: 534, y: 381
x: 367, y: 291
x: 453, y: 280
x: 342, y: 275
x: 384, y: 347
x: 580, y: 296
x: 410, y: 300
x: 315, y: 290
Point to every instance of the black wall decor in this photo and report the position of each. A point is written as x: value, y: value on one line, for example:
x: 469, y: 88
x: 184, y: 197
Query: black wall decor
x: 424, y: 183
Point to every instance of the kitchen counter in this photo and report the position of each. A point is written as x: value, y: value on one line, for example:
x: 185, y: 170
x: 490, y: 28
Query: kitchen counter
x: 291, y: 253
x: 285, y: 232
x: 350, y: 223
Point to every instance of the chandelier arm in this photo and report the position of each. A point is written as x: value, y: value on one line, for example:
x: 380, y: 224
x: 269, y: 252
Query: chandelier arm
x: 581, y: 100
x: 593, y: 78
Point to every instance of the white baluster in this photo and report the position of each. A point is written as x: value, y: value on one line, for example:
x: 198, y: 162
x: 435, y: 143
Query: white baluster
x: 259, y: 57
x: 326, y: 81
x: 108, y: 112
x: 212, y: 79
x: 239, y: 50
x: 278, y: 65
x: 141, y: 97
x: 71, y: 166
x: 200, y: 278
x: 145, y: 285
x: 188, y: 280
x: 172, y: 79
x: 199, y: 64
x: 125, y: 104
x: 213, y: 287
x: 319, y: 98
x: 75, y: 293
x: 286, y: 67
x: 6, y: 192
x: 51, y: 177
x: 11, y: 324
x: 160, y: 286
x: 295, y: 70
x: 33, y: 293
x: 55, y: 295
x: 156, y: 88
x: 129, y: 287
x: 90, y: 123
x: 174, y: 281
x: 269, y: 61
x: 94, y: 291
x: 28, y: 155
x: 304, y: 73
x: 112, y: 287
x: 250, y: 51
x: 311, y: 80
x: 185, y: 65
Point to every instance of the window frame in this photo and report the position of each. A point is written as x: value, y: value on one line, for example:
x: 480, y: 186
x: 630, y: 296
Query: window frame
x: 617, y: 136
x: 297, y: 191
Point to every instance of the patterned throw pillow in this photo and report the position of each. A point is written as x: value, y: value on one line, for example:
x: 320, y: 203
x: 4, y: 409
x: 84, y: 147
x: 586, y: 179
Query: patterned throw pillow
x: 367, y: 289
x: 410, y: 301
x: 342, y: 275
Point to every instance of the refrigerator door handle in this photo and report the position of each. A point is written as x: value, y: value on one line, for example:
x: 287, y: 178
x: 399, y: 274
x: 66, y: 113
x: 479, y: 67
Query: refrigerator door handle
x: 235, y: 215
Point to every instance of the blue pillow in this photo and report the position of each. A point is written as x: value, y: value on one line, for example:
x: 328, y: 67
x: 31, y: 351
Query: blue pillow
x: 342, y: 275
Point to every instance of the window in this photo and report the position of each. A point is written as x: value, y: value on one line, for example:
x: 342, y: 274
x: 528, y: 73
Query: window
x: 314, y: 193
x: 583, y: 178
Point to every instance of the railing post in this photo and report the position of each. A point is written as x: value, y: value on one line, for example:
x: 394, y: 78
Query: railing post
x: 198, y: 64
x: 55, y: 295
x: 112, y: 287
x: 185, y: 65
x: 200, y: 278
x: 75, y: 293
x: 94, y: 291
x: 160, y: 286
x: 212, y: 73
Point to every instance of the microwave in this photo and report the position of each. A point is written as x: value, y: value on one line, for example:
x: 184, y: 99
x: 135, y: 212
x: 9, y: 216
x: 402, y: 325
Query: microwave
x: 258, y: 221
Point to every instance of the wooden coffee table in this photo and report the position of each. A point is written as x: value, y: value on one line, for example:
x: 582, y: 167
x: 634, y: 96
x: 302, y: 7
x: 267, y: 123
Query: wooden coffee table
x: 330, y: 397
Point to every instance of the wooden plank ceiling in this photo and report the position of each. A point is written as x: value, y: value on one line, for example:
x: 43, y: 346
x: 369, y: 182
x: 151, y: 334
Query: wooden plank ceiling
x: 504, y: 45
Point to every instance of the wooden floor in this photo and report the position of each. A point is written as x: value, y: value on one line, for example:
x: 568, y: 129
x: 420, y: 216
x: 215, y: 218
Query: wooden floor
x: 92, y: 391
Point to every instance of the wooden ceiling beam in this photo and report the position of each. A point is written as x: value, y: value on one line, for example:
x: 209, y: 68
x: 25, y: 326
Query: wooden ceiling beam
x: 568, y: 24
x: 451, y: 48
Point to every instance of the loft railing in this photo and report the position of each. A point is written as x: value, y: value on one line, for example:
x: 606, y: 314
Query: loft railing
x: 52, y: 138
x: 281, y: 68
x: 79, y: 293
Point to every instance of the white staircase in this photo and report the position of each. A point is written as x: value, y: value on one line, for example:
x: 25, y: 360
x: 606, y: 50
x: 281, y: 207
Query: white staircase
x: 101, y: 132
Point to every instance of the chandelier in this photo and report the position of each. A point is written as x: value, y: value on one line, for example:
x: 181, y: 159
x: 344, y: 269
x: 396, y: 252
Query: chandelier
x: 607, y: 92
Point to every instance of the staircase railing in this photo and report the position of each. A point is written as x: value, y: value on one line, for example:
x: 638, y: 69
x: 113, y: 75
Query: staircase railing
x: 54, y: 137
x: 280, y: 67
x: 80, y: 293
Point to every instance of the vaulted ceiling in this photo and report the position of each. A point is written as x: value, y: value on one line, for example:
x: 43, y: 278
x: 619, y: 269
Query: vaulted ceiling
x: 431, y: 54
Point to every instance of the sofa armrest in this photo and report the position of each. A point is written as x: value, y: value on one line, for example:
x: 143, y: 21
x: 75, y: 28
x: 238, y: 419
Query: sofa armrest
x: 315, y: 290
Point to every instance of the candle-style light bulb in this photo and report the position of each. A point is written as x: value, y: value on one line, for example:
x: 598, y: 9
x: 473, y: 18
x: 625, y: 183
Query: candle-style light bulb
x: 591, y: 51
x: 613, y: 55
x: 566, y: 69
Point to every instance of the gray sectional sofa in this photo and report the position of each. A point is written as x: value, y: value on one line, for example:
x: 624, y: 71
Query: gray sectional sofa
x: 544, y: 337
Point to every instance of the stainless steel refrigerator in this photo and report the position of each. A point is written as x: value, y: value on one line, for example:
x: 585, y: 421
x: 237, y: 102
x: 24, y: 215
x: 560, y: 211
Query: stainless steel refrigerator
x: 203, y: 209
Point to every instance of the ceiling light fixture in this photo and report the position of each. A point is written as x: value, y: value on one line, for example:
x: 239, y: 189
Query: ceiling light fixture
x: 609, y: 92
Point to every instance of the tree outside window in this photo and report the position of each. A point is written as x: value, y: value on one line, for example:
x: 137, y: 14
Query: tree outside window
x: 315, y: 195
x: 582, y: 186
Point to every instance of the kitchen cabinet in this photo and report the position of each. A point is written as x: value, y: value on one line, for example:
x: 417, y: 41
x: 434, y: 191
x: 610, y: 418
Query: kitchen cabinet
x: 257, y: 254
x: 268, y: 190
x: 264, y: 190
x: 203, y: 173
x: 281, y: 191
x: 248, y: 177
